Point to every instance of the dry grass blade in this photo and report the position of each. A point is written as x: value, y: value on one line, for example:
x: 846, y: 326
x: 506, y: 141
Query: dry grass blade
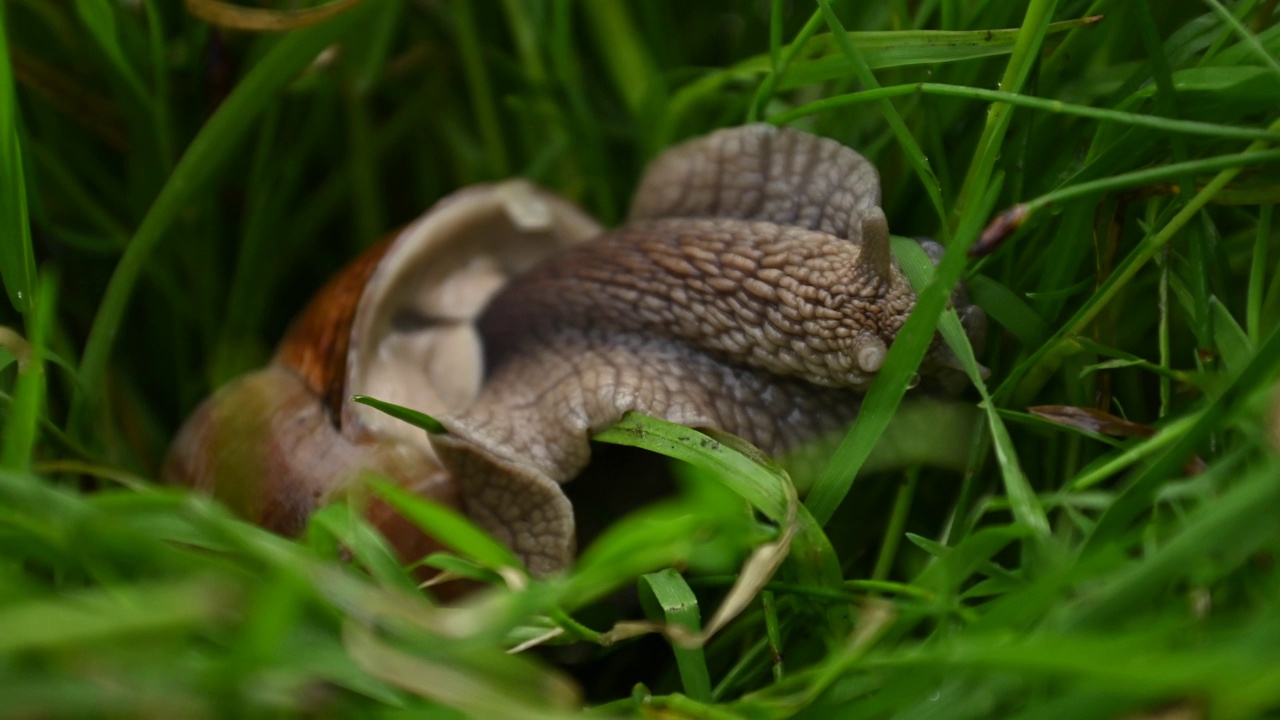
x: 235, y: 17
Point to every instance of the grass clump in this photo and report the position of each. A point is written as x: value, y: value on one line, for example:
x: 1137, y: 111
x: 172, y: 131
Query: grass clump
x: 1102, y: 543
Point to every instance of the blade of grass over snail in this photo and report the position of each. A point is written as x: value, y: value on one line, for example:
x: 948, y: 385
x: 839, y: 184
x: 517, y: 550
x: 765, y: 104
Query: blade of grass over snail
x: 448, y: 526
x: 749, y: 473
x: 416, y: 418
x: 756, y: 479
x: 891, y: 382
x: 347, y: 526
x: 1022, y: 497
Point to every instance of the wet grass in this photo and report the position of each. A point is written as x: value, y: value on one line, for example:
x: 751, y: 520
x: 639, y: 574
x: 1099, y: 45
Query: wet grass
x: 1100, y: 541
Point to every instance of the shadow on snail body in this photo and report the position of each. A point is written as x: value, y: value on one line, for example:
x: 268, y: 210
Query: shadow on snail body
x: 751, y: 290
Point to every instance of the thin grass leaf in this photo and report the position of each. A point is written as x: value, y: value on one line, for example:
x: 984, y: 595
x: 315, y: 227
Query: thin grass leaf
x: 369, y: 549
x: 881, y: 49
x: 17, y: 259
x: 100, y: 19
x: 1232, y: 342
x: 447, y: 526
x: 1257, y: 275
x: 635, y: 76
x: 1230, y: 528
x: 27, y: 407
x: 1172, y: 125
x: 890, y: 384
x: 481, y: 684
x: 1007, y: 309
x: 742, y: 468
x: 1036, y: 367
x: 667, y: 598
x: 483, y: 103
x: 99, y: 615
x: 1035, y: 25
x: 889, y: 49
x: 955, y: 566
x: 415, y: 418
x: 1026, y: 506
x: 910, y: 148
x: 1250, y: 40
x: 1109, y: 466
x: 459, y: 567
x: 1137, y: 497
x: 198, y: 165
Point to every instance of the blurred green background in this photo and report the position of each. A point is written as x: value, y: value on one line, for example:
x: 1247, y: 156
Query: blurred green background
x: 175, y: 187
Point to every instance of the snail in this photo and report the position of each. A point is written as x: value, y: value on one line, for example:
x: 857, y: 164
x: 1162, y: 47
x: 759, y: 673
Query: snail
x: 751, y: 290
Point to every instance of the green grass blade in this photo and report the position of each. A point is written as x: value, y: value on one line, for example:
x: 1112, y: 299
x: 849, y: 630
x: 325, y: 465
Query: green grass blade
x: 206, y: 154
x: 901, y: 48
x: 1033, y: 372
x: 100, y: 614
x: 26, y: 412
x: 100, y: 18
x: 1250, y: 40
x: 915, y: 156
x: 667, y: 598
x: 1022, y: 497
x: 743, y: 468
x: 1136, y: 499
x: 1172, y: 125
x: 635, y: 76
x: 483, y: 103
x: 1229, y: 529
x: 368, y: 548
x: 1025, y: 54
x: 17, y: 259
x: 1257, y: 274
x: 890, y: 384
x: 415, y: 418
x: 447, y: 526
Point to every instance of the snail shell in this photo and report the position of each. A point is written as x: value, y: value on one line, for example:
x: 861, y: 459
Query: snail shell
x: 398, y: 323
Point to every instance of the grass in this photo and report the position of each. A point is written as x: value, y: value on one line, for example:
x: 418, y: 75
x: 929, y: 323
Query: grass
x: 170, y: 194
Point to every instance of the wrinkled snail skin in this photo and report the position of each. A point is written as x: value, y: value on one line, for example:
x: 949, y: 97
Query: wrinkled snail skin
x: 752, y: 292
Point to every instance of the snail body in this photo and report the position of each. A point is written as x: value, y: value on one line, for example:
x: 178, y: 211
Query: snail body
x: 752, y: 291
